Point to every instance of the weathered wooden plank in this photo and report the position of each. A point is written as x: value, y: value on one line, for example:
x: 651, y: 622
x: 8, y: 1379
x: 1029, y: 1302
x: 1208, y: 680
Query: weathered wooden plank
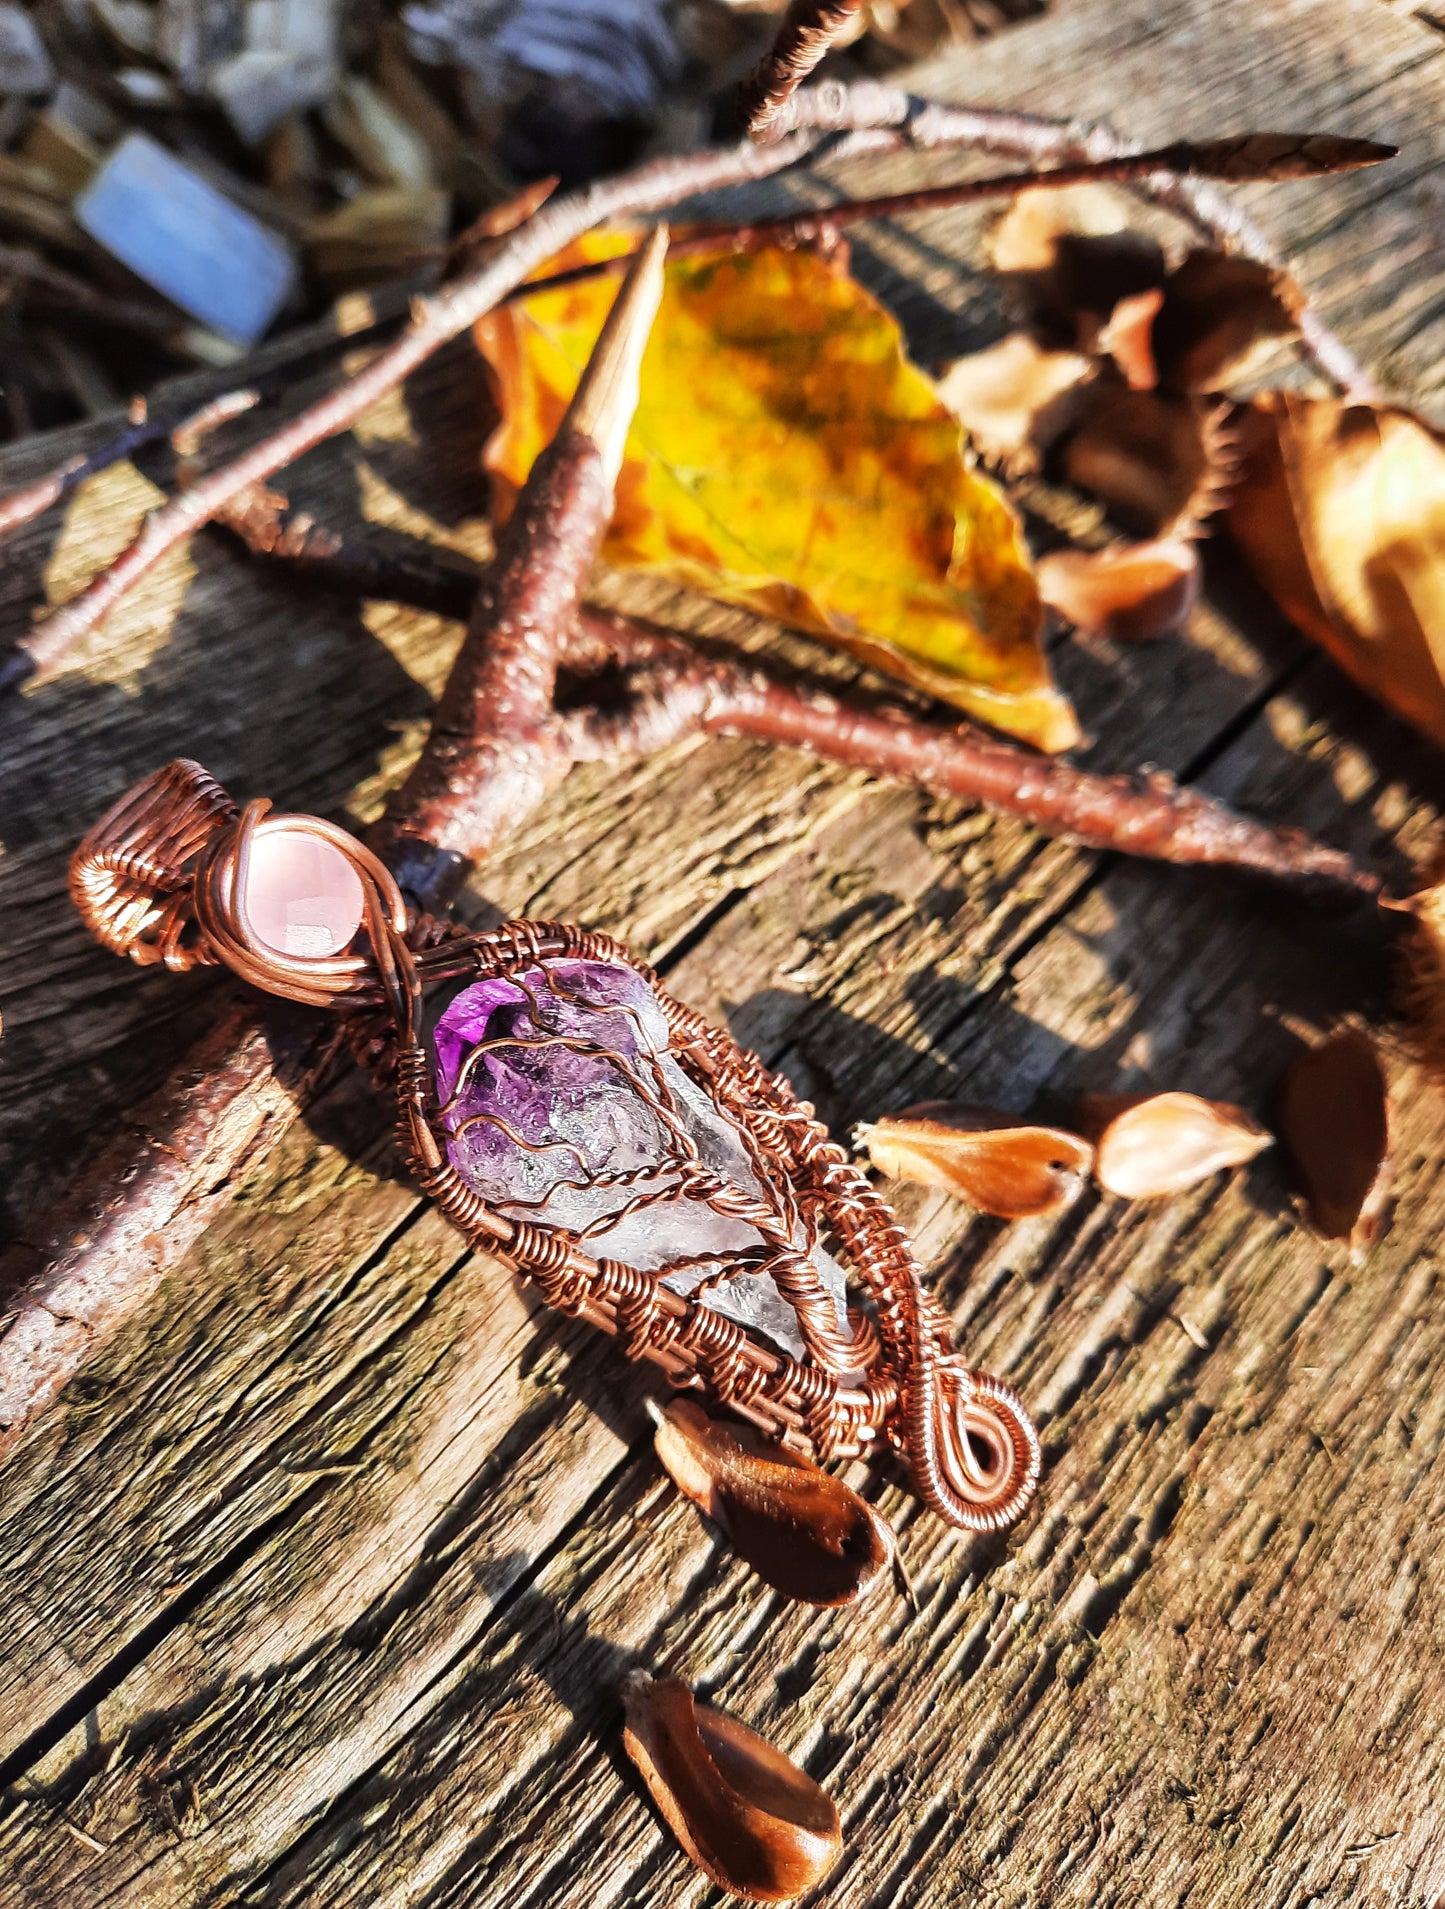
x: 1112, y: 1707
x: 877, y: 944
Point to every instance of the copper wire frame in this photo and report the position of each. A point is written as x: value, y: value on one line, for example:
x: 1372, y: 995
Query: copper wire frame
x: 162, y: 877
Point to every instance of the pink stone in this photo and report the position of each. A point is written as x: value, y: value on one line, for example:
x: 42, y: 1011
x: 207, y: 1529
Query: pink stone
x: 302, y: 895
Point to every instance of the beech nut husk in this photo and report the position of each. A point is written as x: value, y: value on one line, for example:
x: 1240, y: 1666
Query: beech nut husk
x: 746, y: 1814
x: 1334, y: 1119
x: 1150, y: 1145
x: 801, y: 1529
x: 1002, y: 1165
x: 1132, y: 592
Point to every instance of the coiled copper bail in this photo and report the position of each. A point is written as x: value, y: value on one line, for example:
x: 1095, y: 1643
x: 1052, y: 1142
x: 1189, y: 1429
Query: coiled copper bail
x: 163, y: 877
x: 131, y: 877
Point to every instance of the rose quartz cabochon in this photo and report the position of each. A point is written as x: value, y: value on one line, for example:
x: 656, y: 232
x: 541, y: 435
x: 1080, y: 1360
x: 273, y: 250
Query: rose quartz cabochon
x: 302, y: 895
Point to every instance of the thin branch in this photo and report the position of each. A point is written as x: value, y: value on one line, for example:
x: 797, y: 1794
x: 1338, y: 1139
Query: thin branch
x: 1259, y: 156
x: 183, y: 428
x: 806, y: 32
x: 671, y: 689
x: 876, y: 118
x: 435, y: 320
x: 930, y: 125
x: 673, y: 685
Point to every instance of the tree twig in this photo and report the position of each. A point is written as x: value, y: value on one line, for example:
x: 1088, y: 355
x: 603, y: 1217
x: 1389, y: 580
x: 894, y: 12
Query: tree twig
x: 672, y: 685
x: 1143, y: 815
x: 929, y: 125
x: 1259, y: 156
x: 805, y: 33
x: 875, y: 118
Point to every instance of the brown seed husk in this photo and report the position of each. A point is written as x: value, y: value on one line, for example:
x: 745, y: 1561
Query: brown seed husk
x: 1335, y: 1122
x: 746, y: 1814
x: 1131, y: 592
x: 1340, y: 511
x: 1220, y: 315
x: 1128, y: 338
x: 801, y: 1529
x: 1015, y: 398
x: 997, y: 1163
x: 1142, y: 453
x: 1151, y: 1145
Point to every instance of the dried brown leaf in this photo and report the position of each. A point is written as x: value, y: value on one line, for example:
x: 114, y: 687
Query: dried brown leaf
x: 1150, y: 1145
x: 1126, y: 591
x: 746, y: 1814
x: 1335, y: 1122
x: 1218, y: 315
x: 1340, y: 510
x: 800, y: 1528
x: 1142, y: 453
x: 1001, y: 1165
x: 1015, y: 398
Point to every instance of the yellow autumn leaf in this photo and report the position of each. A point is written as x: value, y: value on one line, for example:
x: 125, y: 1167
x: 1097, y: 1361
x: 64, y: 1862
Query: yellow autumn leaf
x: 787, y: 457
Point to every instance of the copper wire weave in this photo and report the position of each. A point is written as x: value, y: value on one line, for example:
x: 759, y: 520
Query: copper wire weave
x: 161, y: 877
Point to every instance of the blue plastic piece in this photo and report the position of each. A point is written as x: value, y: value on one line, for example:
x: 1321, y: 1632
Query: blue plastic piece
x: 178, y: 233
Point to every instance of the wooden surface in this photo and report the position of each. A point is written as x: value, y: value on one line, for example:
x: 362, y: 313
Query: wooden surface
x: 319, y: 1586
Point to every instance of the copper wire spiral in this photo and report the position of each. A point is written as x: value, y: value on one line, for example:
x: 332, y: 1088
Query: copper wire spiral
x: 163, y: 877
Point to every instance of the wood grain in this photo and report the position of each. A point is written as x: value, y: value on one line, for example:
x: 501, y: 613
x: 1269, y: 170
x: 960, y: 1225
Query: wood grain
x: 320, y: 1586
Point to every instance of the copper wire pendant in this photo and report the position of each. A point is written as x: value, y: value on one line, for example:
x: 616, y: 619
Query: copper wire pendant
x: 566, y: 1113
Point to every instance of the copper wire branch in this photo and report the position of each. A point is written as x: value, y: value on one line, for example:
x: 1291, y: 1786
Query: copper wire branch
x: 162, y: 876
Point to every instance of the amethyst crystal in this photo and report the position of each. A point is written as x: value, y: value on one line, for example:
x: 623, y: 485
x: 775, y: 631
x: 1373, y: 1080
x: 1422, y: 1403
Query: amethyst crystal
x: 547, y: 1125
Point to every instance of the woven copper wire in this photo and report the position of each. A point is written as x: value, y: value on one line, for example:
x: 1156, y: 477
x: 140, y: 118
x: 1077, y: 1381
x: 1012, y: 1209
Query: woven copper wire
x: 162, y: 878
x: 131, y: 876
x: 965, y: 1435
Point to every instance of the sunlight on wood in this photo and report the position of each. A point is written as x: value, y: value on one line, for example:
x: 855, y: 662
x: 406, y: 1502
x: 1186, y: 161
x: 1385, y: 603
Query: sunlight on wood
x: 105, y: 514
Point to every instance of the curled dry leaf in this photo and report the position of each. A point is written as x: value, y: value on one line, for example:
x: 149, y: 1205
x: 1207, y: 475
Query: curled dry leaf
x: 1335, y: 1121
x: 786, y: 455
x: 1008, y: 1167
x: 1016, y: 398
x: 746, y: 1814
x: 1219, y: 314
x: 1126, y: 591
x: 1149, y: 1145
x: 1341, y: 512
x: 801, y: 1529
